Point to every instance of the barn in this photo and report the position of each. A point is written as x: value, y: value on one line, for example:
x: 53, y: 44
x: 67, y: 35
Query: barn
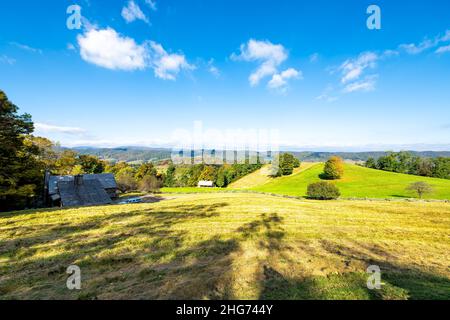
x: 80, y: 190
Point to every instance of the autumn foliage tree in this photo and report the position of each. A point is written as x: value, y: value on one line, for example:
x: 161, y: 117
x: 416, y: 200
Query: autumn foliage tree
x: 334, y: 168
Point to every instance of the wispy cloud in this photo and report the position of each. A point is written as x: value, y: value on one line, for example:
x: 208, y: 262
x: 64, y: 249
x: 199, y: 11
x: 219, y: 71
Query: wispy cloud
x: 7, y: 60
x: 327, y: 95
x: 26, y: 47
x: 133, y: 12
x: 365, y: 85
x: 443, y: 49
x: 165, y: 65
x: 270, y: 56
x: 352, y: 69
x: 213, y: 69
x: 413, y: 48
x: 314, y: 57
x: 279, y: 81
x: 151, y: 4
x: 47, y: 128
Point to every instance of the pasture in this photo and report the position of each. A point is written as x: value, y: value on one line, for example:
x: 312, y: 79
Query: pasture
x: 228, y: 246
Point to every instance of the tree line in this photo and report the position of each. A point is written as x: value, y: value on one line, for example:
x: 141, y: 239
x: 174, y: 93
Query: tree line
x: 408, y: 163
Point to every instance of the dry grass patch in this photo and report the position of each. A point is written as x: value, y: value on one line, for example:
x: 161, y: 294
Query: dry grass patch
x: 217, y: 246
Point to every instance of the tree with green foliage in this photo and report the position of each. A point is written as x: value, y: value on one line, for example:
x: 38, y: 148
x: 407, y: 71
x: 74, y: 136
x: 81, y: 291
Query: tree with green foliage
x: 17, y: 160
x: 388, y: 162
x: 371, y: 163
x: 221, y: 180
x: 441, y: 168
x: 297, y: 163
x: 208, y: 173
x: 323, y: 190
x: 334, y: 168
x: 287, y: 162
x: 420, y: 188
x: 126, y: 180
x: 150, y: 183
x: 67, y: 160
x: 145, y: 169
x: 170, y: 178
x: 91, y: 164
x: 193, y: 174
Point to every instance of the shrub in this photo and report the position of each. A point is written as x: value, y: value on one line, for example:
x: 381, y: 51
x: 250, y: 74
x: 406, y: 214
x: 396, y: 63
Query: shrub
x: 323, y: 191
x: 334, y: 168
x: 125, y: 180
x: 150, y: 183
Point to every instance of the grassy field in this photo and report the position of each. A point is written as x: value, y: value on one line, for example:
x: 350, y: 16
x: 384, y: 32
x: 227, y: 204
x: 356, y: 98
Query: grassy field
x: 261, y: 177
x: 238, y: 246
x: 357, y: 182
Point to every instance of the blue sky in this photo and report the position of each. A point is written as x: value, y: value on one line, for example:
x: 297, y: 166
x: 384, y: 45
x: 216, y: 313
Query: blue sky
x: 138, y: 70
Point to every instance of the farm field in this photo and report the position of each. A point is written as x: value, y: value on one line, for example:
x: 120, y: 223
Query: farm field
x: 228, y: 246
x: 357, y: 182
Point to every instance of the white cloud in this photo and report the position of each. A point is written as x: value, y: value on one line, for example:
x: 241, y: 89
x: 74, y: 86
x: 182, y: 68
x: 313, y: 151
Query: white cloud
x: 389, y: 53
x: 108, y: 49
x: 443, y: 49
x: 279, y: 80
x: 412, y: 48
x: 167, y: 66
x: 151, y: 4
x: 352, y: 69
x: 213, y: 69
x: 59, y: 129
x: 368, y: 84
x: 270, y: 56
x: 132, y: 12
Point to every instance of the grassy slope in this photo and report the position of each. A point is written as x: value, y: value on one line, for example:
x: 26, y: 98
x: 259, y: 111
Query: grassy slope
x: 211, y: 246
x: 261, y: 176
x: 358, y: 182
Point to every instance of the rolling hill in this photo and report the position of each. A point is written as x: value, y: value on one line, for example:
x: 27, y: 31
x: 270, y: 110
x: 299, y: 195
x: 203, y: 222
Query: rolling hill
x: 358, y: 182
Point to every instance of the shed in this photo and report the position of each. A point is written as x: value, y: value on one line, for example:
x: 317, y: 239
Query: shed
x: 205, y: 184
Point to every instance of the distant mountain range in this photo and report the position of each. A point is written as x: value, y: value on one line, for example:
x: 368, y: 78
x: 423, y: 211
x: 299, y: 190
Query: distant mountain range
x: 144, y: 154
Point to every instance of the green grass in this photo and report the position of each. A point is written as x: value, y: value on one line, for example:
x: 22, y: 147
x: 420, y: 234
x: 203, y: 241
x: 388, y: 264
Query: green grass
x: 261, y: 176
x: 358, y: 182
x: 228, y: 246
x: 192, y: 190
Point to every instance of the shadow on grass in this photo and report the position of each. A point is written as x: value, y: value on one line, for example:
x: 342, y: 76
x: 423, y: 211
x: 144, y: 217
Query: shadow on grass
x: 95, y: 247
x: 166, y: 264
x: 398, y: 281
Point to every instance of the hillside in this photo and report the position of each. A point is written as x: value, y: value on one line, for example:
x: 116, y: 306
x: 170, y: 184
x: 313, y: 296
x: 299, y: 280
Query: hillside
x: 261, y: 176
x: 357, y: 182
x: 132, y: 154
x: 228, y: 246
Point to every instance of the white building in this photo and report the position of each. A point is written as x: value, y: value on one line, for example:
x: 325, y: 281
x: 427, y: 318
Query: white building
x: 205, y: 184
